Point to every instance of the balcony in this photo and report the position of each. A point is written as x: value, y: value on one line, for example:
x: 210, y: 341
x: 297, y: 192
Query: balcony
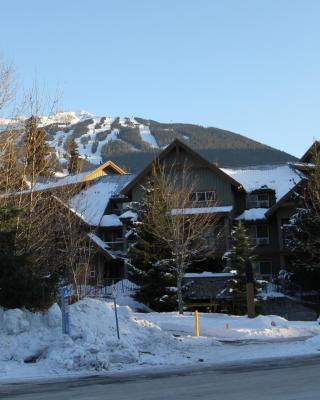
x: 116, y: 245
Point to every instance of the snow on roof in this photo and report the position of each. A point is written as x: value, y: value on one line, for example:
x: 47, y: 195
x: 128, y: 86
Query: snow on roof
x: 206, y: 274
x: 201, y: 210
x: 129, y: 215
x: 253, y: 214
x: 90, y: 204
x: 67, y: 180
x: 280, y: 178
x: 108, y: 221
x: 99, y: 242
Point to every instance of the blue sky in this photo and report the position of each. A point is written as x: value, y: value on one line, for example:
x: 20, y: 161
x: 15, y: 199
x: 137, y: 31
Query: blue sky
x: 249, y: 66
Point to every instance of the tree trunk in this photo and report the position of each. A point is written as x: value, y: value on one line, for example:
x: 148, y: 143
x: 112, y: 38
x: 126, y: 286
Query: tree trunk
x: 179, y: 289
x: 250, y: 291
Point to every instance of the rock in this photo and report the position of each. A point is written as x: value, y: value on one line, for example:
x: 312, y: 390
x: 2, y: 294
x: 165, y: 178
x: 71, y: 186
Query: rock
x: 54, y: 316
x: 15, y: 322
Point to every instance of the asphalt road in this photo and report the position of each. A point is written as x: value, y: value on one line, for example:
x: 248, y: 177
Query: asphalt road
x: 286, y: 379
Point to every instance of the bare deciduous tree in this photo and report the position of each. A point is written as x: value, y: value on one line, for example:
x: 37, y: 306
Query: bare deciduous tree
x: 7, y: 88
x: 177, y: 220
x: 46, y: 229
x: 74, y: 250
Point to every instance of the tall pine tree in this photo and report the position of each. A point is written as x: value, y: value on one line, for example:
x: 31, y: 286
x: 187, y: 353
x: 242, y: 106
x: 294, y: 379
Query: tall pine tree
x: 19, y: 287
x: 152, y: 267
x: 37, y: 153
x: 74, y: 165
x: 238, y: 259
x: 303, y: 231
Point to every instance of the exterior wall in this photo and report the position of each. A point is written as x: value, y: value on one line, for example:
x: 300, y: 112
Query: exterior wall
x: 282, y: 213
x: 203, y: 179
x: 268, y: 252
x: 239, y: 204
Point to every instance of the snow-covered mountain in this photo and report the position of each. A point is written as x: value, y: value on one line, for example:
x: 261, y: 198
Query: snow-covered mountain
x: 132, y: 142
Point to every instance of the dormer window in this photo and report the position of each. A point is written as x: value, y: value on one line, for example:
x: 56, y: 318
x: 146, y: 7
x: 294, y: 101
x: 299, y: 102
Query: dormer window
x: 258, y: 200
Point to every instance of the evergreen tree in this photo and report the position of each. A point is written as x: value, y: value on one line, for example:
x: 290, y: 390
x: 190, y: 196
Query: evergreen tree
x: 303, y: 232
x: 36, y: 150
x: 74, y: 159
x: 152, y: 267
x: 16, y: 286
x: 238, y: 259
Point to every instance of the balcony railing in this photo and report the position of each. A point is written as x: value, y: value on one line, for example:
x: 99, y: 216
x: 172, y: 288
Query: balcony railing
x: 116, y: 245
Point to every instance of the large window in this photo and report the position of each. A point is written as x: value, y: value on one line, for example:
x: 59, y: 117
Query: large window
x: 261, y: 200
x: 259, y: 234
x: 203, y: 197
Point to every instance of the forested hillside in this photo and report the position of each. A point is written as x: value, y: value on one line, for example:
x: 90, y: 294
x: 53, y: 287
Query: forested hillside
x: 133, y: 142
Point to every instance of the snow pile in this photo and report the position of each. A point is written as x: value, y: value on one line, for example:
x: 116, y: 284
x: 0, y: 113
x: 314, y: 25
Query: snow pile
x: 36, y: 338
x: 32, y: 344
x: 123, y: 292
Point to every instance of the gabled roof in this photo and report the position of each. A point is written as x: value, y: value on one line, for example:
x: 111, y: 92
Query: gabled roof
x: 107, y: 165
x: 307, y: 157
x: 91, y: 202
x: 84, y: 176
x: 177, y: 144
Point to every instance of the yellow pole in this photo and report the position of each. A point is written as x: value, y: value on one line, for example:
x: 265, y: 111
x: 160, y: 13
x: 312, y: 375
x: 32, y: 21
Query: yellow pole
x: 196, y: 318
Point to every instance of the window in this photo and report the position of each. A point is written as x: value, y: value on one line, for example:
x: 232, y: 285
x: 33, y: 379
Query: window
x: 92, y: 274
x: 284, y: 234
x: 264, y: 269
x: 259, y: 234
x: 261, y: 200
x: 203, y: 197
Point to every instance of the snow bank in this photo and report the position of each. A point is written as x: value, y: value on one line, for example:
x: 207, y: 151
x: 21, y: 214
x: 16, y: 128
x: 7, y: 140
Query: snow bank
x: 32, y: 345
x: 36, y: 338
x: 224, y: 327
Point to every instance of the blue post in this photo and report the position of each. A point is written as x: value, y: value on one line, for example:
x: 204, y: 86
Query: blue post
x: 116, y: 315
x: 65, y: 309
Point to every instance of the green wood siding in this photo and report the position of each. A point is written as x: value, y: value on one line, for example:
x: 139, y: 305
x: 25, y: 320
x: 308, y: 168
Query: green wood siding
x: 203, y: 179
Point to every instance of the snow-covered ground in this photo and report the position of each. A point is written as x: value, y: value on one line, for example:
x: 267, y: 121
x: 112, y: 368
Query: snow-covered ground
x: 32, y: 345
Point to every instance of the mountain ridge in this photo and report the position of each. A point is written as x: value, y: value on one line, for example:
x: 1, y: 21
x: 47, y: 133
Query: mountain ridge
x: 133, y: 142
